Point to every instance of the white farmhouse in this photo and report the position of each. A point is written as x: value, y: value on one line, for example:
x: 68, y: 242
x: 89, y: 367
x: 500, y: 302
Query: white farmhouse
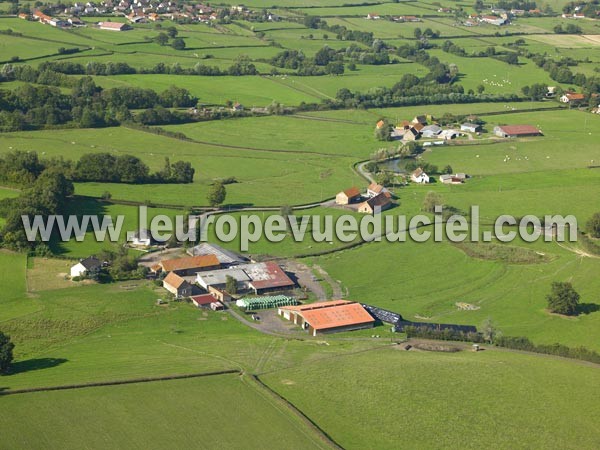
x: 85, y: 266
x: 419, y: 176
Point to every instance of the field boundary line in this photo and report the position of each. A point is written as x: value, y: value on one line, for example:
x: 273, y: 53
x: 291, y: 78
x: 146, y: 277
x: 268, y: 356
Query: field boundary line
x: 323, y: 435
x: 119, y: 382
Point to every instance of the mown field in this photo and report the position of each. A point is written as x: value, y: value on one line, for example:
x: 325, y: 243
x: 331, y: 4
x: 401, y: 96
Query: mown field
x: 460, y: 400
x: 121, y: 416
x: 361, y: 391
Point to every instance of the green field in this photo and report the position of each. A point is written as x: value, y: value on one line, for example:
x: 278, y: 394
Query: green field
x: 361, y: 389
x: 121, y: 415
x: 489, y: 399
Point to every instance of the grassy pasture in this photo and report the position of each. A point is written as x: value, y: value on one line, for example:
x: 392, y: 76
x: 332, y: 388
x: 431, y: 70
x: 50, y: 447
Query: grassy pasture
x: 512, y: 295
x: 250, y: 91
x: 121, y: 415
x: 11, y: 46
x: 548, y: 23
x: 493, y: 399
x: 363, y: 79
x: 48, y: 273
x: 530, y: 154
x: 292, y: 177
x: 496, y: 76
x: 42, y: 32
x: 89, y: 245
x: 287, y: 133
x: 392, y: 31
x: 383, y: 9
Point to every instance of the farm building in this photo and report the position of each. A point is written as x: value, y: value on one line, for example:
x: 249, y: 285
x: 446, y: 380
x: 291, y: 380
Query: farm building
x: 114, y: 26
x: 448, y: 134
x: 376, y: 204
x: 471, y: 127
x: 419, y: 176
x: 189, y: 265
x: 422, y: 120
x: 411, y: 134
x: 218, y: 278
x: 430, y: 131
x: 511, y: 131
x: 493, y: 20
x: 452, y: 179
x: 348, y: 196
x: 328, y: 317
x: 572, y: 97
x: 379, y: 125
x: 404, y: 125
x: 374, y: 189
x: 258, y: 277
x: 207, y: 301
x: 225, y: 257
x: 144, y: 238
x: 85, y: 267
x: 177, y: 285
x: 267, y: 277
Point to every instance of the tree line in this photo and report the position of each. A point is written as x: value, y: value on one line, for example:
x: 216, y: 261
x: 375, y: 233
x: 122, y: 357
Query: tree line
x: 23, y: 168
x: 87, y: 106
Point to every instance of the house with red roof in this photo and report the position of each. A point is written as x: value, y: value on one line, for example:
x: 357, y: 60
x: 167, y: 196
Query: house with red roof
x: 512, y: 131
x: 348, y: 196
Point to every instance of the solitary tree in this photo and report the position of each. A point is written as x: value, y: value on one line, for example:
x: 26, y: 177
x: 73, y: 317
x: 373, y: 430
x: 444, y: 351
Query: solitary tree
x: 593, y: 225
x: 488, y: 330
x: 383, y: 132
x: 162, y: 39
x: 231, y: 285
x: 6, y: 352
x: 563, y: 299
x: 431, y: 200
x: 178, y: 44
x: 216, y: 194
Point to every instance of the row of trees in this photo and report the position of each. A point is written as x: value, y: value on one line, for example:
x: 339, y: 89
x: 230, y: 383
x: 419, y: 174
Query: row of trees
x: 326, y: 61
x: 241, y: 66
x: 35, y: 107
x: 23, y: 168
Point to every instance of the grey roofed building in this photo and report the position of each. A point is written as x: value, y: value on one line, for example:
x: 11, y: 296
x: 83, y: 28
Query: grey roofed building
x: 472, y: 127
x: 431, y: 130
x: 260, y: 277
x: 218, y: 278
x: 226, y: 257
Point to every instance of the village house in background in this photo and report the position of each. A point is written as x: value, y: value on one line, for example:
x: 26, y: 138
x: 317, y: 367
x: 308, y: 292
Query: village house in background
x: 419, y: 176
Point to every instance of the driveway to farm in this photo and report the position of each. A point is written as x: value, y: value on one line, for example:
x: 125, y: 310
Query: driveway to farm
x: 306, y: 278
